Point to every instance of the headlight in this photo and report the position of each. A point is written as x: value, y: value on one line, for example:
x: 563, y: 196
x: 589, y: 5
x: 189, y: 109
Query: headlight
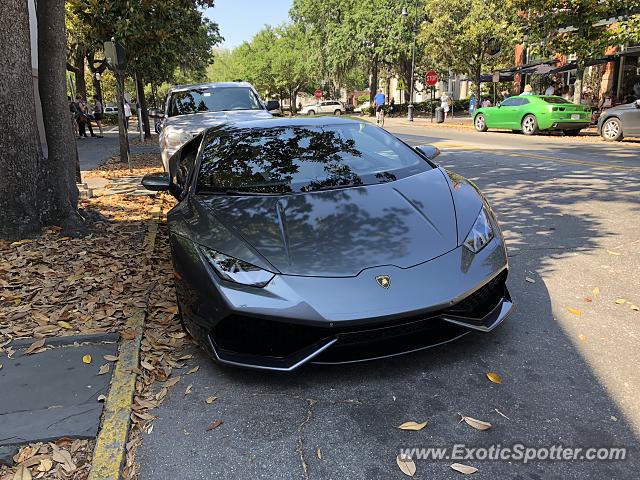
x: 176, y: 140
x: 481, y: 233
x: 234, y: 270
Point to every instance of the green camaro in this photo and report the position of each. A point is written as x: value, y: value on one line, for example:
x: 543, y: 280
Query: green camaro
x: 532, y: 113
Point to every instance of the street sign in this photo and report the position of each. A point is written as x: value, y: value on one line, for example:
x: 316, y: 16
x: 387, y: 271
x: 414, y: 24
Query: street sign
x: 318, y: 94
x: 400, y: 84
x: 115, y: 55
x: 431, y: 77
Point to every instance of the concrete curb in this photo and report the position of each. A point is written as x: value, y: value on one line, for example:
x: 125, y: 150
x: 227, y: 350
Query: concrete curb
x: 110, y: 451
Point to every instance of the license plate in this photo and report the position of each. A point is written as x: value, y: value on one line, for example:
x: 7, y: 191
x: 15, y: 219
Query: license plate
x: 575, y: 116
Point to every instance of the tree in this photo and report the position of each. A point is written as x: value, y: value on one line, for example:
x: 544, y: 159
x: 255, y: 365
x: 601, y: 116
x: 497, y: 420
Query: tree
x: 34, y: 190
x: 576, y: 27
x: 458, y: 35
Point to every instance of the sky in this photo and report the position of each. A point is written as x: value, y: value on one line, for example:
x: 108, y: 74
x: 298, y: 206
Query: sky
x: 239, y: 20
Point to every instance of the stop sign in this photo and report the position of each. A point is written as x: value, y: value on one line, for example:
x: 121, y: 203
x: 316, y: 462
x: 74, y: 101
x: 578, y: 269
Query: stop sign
x: 318, y: 94
x: 431, y: 77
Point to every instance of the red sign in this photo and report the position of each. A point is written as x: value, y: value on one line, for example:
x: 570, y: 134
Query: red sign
x: 431, y: 77
x: 318, y: 94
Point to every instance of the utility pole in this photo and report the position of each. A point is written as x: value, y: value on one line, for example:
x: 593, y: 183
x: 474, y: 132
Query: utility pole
x: 115, y: 55
x: 405, y: 13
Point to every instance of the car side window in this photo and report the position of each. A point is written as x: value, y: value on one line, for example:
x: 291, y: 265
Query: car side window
x: 523, y: 101
x: 510, y: 102
x: 186, y: 163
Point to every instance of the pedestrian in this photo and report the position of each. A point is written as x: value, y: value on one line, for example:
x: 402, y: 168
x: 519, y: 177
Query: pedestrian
x: 505, y: 94
x: 83, y: 117
x: 98, y: 111
x: 379, y: 101
x: 486, y: 102
x: 444, y: 104
x: 528, y: 90
x: 392, y: 106
x: 127, y: 114
x: 551, y: 90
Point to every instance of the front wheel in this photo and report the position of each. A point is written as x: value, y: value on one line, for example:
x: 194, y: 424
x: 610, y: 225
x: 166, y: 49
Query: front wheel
x: 529, y: 125
x: 338, y: 112
x: 480, y: 123
x: 612, y: 130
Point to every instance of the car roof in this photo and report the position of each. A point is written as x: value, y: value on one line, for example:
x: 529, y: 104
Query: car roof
x: 294, y: 122
x: 184, y: 87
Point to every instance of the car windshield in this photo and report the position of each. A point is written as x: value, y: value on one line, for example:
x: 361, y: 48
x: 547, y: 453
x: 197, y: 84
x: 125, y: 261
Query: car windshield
x: 290, y: 159
x: 555, y: 100
x: 216, y: 99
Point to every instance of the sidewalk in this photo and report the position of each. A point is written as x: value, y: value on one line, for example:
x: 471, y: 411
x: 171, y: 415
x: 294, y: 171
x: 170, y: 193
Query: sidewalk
x: 95, y: 151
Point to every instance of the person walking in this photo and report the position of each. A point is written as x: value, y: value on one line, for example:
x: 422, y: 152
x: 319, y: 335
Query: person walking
x: 444, y: 104
x: 392, y: 106
x: 379, y: 101
x: 98, y: 111
x: 127, y: 114
x: 83, y: 117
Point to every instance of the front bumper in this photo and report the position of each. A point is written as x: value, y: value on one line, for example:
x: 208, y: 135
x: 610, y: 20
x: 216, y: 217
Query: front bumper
x: 295, y: 320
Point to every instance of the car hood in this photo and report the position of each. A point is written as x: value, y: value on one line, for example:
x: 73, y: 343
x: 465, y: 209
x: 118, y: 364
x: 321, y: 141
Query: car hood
x: 334, y: 233
x: 199, y: 121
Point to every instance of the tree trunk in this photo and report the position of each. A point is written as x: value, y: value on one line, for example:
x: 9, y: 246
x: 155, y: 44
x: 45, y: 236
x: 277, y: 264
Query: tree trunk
x: 478, y: 74
x: 78, y: 70
x: 577, y: 86
x: 123, y: 133
x: 58, y: 188
x: 20, y: 153
x: 374, y: 80
x: 142, y: 101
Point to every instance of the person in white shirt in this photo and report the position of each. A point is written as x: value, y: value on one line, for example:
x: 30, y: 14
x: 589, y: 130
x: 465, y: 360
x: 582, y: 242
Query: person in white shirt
x: 127, y: 113
x: 486, y: 103
x: 551, y: 90
x: 444, y: 103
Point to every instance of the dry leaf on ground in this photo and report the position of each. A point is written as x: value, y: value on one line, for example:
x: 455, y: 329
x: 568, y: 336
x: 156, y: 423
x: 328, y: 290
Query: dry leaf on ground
x: 104, y: 369
x: 620, y: 301
x: 412, y: 426
x: 475, y: 423
x: 406, y: 465
x: 211, y: 399
x: 494, y: 377
x: 37, y: 345
x: 575, y: 311
x: 466, y: 469
x: 86, y: 359
x: 215, y: 425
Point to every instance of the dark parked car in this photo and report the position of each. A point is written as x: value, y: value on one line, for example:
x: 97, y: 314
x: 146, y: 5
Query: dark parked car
x: 327, y: 240
x: 617, y: 122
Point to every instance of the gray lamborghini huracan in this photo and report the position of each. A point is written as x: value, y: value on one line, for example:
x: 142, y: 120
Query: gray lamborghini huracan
x: 327, y: 240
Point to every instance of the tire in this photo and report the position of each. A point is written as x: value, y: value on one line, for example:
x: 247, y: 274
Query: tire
x: 612, y: 130
x: 480, y: 123
x: 312, y: 112
x: 529, y: 125
x: 338, y: 112
x: 571, y: 133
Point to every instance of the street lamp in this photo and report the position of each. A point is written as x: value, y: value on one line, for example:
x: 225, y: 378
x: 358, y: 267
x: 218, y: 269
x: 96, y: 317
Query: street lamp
x: 405, y: 14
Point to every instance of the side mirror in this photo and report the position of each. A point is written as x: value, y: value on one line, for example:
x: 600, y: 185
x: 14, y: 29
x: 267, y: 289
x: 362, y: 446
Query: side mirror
x: 156, y: 182
x: 273, y: 105
x: 428, y: 151
x: 156, y: 113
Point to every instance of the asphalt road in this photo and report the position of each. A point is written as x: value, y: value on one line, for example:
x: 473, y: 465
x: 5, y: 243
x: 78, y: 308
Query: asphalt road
x: 571, y: 224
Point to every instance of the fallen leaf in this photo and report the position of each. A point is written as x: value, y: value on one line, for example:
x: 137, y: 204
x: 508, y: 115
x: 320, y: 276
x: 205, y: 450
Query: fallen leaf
x: 173, y: 309
x: 412, y: 426
x: 65, y: 325
x: 104, y: 369
x: 477, y: 424
x: 318, y: 453
x: 466, y: 469
x: 193, y: 370
x: 575, y: 311
x: 588, y: 299
x: 620, y: 301
x: 128, y: 334
x: 406, y: 465
x: 177, y: 335
x: 22, y: 473
x: 582, y: 338
x: 611, y: 252
x: 596, y: 291
x: 188, y: 390
x: 631, y: 306
x: 110, y: 358
x: 86, y: 359
x: 529, y: 279
x: 211, y: 399
x: 494, y: 377
x: 172, y: 381
x: 215, y: 425
x: 500, y: 413
x: 146, y: 365
x: 45, y: 465
x: 37, y: 345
